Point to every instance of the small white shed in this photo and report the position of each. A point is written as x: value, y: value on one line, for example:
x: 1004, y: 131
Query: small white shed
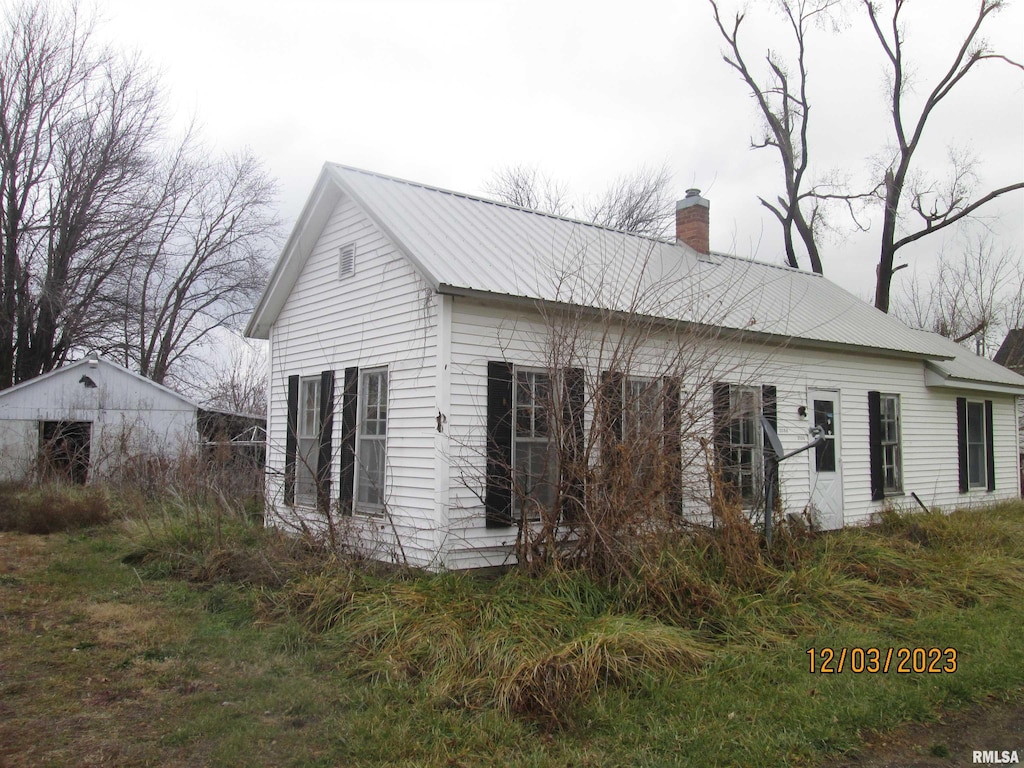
x: 81, y: 420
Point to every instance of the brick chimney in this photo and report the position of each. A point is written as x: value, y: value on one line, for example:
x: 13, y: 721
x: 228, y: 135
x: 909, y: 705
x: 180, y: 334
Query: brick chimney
x: 692, y: 221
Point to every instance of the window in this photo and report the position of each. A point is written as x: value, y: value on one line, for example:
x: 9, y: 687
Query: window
x: 308, y: 434
x: 743, y: 468
x: 371, y: 448
x: 525, y: 474
x: 976, y: 445
x: 642, y: 408
x: 643, y: 426
x: 533, y: 459
x: 739, y: 439
x: 346, y: 260
x: 892, y: 459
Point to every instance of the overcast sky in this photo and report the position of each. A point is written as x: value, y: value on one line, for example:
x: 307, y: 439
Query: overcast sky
x: 447, y: 92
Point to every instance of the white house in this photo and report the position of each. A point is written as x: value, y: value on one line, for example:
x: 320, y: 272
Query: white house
x: 84, y: 419
x: 414, y: 333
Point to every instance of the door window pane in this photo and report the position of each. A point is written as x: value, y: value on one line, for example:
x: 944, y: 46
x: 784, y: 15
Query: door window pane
x: 825, y: 419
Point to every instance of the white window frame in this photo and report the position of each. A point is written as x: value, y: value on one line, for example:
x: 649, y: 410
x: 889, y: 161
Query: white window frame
x: 636, y: 391
x: 307, y: 440
x: 981, y: 481
x: 751, y: 493
x: 891, y: 441
x: 521, y: 443
x: 371, y: 493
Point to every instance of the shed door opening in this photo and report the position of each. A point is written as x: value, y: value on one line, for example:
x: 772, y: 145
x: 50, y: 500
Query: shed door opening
x: 64, y: 450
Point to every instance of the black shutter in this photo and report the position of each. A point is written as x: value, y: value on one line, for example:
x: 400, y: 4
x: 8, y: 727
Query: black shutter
x: 875, y: 445
x: 673, y: 449
x: 291, y: 440
x: 572, y: 481
x: 611, y: 402
x: 961, y: 441
x: 990, y: 456
x: 720, y: 405
x: 498, y: 492
x: 323, y: 460
x: 349, y: 412
x: 770, y: 410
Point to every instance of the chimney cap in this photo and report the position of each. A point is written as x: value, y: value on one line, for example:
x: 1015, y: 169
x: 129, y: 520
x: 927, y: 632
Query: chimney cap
x: 692, y: 198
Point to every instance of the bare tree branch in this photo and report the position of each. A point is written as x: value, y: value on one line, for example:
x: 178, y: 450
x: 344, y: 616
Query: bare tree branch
x: 640, y: 202
x: 784, y: 105
x: 971, y: 51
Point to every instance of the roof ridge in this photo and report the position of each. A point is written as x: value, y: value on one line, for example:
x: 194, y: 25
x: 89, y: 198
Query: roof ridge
x: 501, y: 204
x: 773, y: 265
x: 567, y: 219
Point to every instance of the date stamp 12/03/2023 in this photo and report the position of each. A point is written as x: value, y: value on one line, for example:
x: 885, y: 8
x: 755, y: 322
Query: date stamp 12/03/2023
x: 870, y: 660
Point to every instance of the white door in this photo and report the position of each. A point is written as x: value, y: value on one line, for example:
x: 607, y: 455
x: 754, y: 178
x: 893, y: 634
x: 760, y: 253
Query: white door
x: 826, y: 460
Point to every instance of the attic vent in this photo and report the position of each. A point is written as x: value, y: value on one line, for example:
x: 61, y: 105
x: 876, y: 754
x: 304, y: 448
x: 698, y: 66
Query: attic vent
x: 346, y: 260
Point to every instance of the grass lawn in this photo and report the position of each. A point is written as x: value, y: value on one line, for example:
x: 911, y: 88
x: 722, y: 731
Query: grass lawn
x: 148, y: 643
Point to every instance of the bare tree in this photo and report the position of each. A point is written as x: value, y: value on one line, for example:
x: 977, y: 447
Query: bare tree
x: 936, y: 204
x: 785, y: 107
x: 239, y: 382
x: 526, y: 187
x: 913, y: 204
x: 639, y: 202
x: 972, y: 298
x: 110, y: 238
x: 77, y: 124
x: 202, y: 263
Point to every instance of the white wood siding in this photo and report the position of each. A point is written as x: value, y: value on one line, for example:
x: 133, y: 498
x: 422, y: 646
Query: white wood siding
x: 382, y: 315
x: 928, y: 415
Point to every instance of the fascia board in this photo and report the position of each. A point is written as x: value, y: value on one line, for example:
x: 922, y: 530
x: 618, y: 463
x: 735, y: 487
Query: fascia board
x: 297, y: 248
x: 934, y: 379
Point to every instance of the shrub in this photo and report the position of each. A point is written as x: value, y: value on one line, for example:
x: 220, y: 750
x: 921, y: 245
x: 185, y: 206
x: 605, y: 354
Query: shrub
x: 52, y: 508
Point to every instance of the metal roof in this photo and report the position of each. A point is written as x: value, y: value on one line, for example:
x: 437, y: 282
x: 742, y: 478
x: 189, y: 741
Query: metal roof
x: 964, y: 367
x: 464, y: 243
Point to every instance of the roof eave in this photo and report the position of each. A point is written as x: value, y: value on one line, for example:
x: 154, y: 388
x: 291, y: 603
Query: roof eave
x: 87, y: 360
x: 297, y: 247
x: 939, y: 380
x: 734, y: 334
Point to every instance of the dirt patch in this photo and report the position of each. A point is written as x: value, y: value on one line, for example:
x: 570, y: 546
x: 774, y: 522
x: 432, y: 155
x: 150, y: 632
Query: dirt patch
x: 948, y: 743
